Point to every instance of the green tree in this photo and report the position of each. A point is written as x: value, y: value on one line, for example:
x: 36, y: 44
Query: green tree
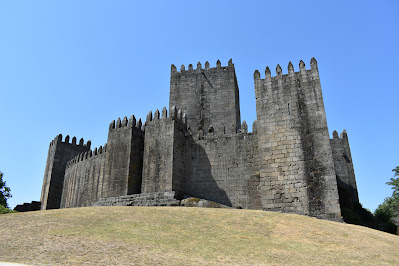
x: 390, y: 207
x: 5, y: 192
x: 395, y: 182
x: 393, y: 201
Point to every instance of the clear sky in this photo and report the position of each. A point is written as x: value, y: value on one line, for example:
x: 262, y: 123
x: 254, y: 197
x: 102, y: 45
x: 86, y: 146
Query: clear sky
x: 71, y: 67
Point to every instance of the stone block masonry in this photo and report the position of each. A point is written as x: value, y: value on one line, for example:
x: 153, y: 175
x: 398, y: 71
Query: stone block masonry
x: 202, y: 150
x: 59, y: 154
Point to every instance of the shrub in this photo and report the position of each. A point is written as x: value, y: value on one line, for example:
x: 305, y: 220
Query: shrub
x: 4, y: 210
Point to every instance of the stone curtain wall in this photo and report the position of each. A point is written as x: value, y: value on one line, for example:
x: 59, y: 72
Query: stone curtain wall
x: 59, y: 154
x: 208, y: 95
x: 288, y: 163
x: 223, y: 167
x: 84, y: 179
x: 297, y: 170
x: 343, y: 163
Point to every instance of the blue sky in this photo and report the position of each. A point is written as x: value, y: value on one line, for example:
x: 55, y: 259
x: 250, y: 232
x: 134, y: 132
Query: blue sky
x: 71, y: 67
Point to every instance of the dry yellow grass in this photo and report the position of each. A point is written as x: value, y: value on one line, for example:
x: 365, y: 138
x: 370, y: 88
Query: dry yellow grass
x: 187, y: 236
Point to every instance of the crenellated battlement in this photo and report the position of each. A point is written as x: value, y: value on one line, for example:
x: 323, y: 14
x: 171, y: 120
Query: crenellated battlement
x: 131, y: 123
x: 343, y: 135
x: 302, y: 73
x: 58, y: 139
x: 226, y: 131
x: 289, y: 80
x: 199, y: 67
x: 91, y: 154
x: 175, y: 114
x: 200, y: 147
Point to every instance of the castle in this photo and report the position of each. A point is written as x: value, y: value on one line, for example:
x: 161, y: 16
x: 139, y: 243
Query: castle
x: 201, y: 149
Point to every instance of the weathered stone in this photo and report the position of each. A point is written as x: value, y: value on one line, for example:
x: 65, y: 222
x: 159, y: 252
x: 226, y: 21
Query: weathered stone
x: 288, y: 163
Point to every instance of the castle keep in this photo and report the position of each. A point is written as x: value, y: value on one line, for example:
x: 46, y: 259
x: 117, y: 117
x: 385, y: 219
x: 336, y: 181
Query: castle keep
x: 201, y: 149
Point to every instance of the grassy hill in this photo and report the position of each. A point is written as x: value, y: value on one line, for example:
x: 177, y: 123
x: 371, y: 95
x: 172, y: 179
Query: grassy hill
x: 183, y: 236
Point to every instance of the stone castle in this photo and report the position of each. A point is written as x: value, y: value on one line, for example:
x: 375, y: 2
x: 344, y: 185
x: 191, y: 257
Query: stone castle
x: 201, y: 149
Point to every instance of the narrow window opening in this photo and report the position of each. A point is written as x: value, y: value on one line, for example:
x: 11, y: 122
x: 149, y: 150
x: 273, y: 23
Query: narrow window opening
x: 289, y: 111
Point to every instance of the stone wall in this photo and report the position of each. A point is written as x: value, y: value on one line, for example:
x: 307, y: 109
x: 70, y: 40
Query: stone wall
x: 223, y: 167
x: 27, y: 207
x: 84, y: 179
x: 288, y: 163
x: 144, y: 199
x: 208, y: 95
x: 164, y: 152
x: 58, y: 155
x: 297, y: 170
x: 343, y: 164
x: 124, y: 159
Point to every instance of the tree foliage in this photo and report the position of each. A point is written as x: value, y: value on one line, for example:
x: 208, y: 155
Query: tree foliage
x: 4, y: 210
x: 395, y: 182
x: 390, y: 207
x: 5, y: 192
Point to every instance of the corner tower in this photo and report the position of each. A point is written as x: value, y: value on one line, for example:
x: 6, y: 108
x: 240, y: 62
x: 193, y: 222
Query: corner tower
x: 59, y: 154
x: 297, y: 168
x: 209, y: 95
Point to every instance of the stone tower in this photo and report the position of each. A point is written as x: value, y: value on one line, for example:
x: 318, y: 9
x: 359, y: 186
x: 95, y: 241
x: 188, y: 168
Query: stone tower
x: 287, y: 163
x: 208, y: 95
x: 297, y: 167
x: 59, y: 154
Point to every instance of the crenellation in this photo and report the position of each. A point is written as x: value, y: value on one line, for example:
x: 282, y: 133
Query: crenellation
x: 124, y: 122
x: 173, y: 113
x: 290, y: 68
x: 173, y: 68
x: 199, y: 68
x: 202, y: 149
x: 132, y: 121
x: 302, y: 66
x: 244, y: 127
x: 156, y: 115
x: 149, y: 117
x: 164, y: 112
x: 279, y: 71
x: 335, y: 134
x: 112, y: 125
x: 118, y: 123
x: 313, y: 64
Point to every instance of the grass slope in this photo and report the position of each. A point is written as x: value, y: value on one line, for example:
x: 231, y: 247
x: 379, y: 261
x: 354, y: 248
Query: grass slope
x: 182, y: 236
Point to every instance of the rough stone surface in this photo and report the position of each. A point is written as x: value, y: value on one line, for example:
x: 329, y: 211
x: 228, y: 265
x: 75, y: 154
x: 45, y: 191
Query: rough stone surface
x: 59, y: 154
x: 196, y: 202
x: 144, y: 199
x: 27, y: 207
x: 201, y: 150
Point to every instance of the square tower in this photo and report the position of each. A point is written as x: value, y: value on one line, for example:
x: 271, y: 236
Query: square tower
x: 208, y: 96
